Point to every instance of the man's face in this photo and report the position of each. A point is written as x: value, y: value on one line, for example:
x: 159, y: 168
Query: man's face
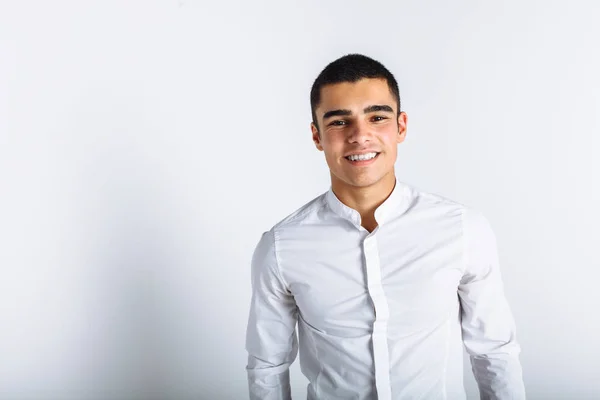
x: 357, y: 118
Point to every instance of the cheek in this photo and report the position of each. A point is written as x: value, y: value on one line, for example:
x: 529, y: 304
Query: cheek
x: 391, y: 138
x: 333, y: 148
x: 391, y: 146
x: 391, y: 130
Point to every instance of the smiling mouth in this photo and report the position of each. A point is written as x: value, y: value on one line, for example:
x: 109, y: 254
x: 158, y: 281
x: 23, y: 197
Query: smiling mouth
x: 355, y: 158
x: 360, y: 162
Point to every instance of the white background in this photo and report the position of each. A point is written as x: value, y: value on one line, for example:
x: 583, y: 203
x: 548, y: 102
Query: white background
x: 146, y: 145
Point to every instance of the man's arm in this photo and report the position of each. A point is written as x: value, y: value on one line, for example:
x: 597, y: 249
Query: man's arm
x: 271, y: 339
x: 488, y: 327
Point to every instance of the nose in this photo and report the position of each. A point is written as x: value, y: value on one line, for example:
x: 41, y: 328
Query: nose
x: 360, y: 133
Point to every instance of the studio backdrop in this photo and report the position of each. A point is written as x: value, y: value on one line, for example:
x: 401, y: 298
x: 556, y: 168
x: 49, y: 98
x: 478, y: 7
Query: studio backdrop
x: 146, y: 145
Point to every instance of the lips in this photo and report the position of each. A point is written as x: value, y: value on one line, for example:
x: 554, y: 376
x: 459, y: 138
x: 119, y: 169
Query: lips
x: 362, y: 153
x: 360, y: 163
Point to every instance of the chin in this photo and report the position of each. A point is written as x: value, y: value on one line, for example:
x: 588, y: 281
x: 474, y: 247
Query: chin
x: 362, y: 181
x: 367, y: 178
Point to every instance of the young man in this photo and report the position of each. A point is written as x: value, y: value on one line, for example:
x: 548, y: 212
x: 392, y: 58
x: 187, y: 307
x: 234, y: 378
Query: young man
x: 386, y: 282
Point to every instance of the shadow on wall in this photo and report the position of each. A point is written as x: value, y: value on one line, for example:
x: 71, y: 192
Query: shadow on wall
x: 139, y: 326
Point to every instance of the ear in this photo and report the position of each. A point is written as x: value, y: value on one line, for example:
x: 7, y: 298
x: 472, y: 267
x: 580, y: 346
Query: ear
x: 402, y: 121
x: 316, y: 137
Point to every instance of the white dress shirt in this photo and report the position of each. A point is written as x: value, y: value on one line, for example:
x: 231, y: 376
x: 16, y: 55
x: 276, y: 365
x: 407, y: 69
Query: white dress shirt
x: 381, y: 315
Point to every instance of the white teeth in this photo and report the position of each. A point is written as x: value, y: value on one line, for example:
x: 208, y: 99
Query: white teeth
x: 361, y: 157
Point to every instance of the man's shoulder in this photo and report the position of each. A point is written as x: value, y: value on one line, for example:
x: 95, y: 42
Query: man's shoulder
x: 302, y: 213
x: 429, y: 199
x: 442, y: 206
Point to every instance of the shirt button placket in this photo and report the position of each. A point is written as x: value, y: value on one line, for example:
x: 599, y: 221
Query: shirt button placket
x: 379, y: 337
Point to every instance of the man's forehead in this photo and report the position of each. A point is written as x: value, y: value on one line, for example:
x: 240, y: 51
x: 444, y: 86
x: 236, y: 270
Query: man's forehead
x: 356, y: 95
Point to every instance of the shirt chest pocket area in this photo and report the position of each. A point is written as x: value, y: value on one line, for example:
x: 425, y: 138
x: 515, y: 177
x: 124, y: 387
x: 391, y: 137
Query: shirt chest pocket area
x: 423, y: 301
x: 335, y: 308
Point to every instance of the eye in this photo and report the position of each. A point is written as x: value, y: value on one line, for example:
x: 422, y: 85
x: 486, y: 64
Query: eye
x: 338, y: 122
x: 379, y: 118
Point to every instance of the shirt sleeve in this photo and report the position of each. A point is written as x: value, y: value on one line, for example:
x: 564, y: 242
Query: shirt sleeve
x: 271, y: 340
x: 488, y: 327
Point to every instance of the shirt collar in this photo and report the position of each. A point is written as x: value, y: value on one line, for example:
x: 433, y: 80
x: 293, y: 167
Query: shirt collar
x: 396, y: 204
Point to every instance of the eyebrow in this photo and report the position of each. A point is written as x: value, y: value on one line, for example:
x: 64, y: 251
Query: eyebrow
x: 369, y: 109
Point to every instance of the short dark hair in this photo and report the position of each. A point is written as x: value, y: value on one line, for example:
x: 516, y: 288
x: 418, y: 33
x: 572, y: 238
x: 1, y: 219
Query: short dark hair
x: 351, y: 68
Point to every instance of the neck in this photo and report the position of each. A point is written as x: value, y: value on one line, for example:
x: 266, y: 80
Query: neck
x: 364, y: 199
